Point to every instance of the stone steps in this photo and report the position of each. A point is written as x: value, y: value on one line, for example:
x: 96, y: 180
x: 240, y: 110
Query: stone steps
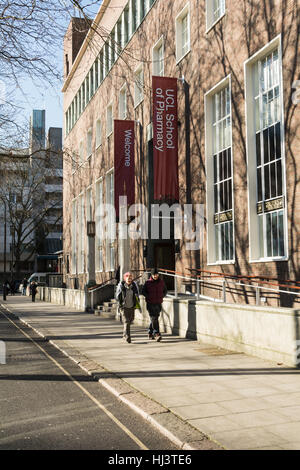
x: 107, y: 309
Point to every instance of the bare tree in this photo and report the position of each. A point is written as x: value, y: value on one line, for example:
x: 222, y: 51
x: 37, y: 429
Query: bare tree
x: 23, y: 176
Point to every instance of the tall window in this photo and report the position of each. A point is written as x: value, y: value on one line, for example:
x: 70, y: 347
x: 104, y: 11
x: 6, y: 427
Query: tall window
x: 99, y: 226
x: 98, y: 133
x: 81, y: 238
x: 222, y: 175
x: 109, y: 120
x: 269, y: 158
x: 123, y: 103
x: 89, y: 143
x: 74, y: 236
x: 219, y: 174
x: 215, y: 9
x: 110, y: 236
x: 96, y: 66
x: 183, y: 33
x: 101, y: 66
x: 138, y: 85
x: 125, y: 26
x: 158, y: 58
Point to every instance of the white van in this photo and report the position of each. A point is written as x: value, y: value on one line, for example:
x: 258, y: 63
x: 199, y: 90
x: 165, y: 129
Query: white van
x: 39, y: 278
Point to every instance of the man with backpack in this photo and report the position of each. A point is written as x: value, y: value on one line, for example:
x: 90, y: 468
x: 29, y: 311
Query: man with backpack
x: 127, y: 295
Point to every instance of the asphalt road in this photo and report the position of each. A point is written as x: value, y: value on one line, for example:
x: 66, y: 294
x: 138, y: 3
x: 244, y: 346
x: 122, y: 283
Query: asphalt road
x: 48, y: 403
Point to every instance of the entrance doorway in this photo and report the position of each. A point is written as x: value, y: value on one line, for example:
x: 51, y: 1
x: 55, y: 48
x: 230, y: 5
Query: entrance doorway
x: 164, y: 257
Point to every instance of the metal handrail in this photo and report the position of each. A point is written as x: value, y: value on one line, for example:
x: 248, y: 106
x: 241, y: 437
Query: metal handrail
x: 94, y: 289
x: 255, y: 278
x: 198, y: 279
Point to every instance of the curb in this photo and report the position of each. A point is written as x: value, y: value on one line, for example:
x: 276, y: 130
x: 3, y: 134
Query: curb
x: 185, y: 437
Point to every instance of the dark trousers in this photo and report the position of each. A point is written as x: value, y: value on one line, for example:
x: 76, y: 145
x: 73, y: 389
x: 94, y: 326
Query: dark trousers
x: 33, y: 297
x: 154, y: 312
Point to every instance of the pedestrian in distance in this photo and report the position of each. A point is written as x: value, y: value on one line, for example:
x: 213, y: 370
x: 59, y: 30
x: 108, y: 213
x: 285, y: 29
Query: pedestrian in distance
x: 34, y: 290
x: 154, y: 291
x: 127, y: 295
x: 25, y: 284
x: 7, y: 285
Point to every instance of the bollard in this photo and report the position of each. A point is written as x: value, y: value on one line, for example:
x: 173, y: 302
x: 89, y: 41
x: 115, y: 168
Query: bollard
x: 257, y: 295
x: 224, y: 292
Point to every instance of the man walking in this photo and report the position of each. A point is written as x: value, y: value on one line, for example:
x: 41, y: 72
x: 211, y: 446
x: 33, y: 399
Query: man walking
x: 154, y: 291
x: 127, y: 295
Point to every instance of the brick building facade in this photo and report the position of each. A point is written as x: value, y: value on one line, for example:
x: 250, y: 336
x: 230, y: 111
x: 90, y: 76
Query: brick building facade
x: 237, y: 65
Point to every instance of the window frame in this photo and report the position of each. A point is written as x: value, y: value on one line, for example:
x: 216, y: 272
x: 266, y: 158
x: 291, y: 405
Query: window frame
x: 98, y: 133
x: 138, y: 91
x: 212, y: 259
x: 123, y: 101
x: 180, y: 54
x: 99, y: 245
x: 210, y: 21
x: 253, y: 216
x: 155, y: 57
x: 89, y: 143
x: 109, y: 129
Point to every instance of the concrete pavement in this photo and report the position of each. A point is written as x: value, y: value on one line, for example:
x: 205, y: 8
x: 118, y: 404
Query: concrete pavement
x: 201, y: 396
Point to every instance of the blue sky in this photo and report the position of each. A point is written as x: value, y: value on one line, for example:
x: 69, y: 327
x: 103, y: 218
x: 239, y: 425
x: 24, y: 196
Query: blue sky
x: 40, y: 95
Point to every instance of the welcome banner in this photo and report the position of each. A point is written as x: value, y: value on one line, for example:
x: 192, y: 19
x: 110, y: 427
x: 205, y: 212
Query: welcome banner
x: 165, y: 139
x: 124, y: 162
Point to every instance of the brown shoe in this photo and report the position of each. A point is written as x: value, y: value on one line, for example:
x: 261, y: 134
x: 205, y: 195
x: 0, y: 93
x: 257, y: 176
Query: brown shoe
x: 158, y: 338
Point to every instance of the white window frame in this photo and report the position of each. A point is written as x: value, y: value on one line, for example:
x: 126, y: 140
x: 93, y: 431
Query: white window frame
x: 180, y: 52
x: 253, y: 218
x: 210, y: 20
x: 138, y: 86
x: 98, y: 133
x: 109, y: 120
x: 211, y: 227
x: 123, y: 102
x: 74, y: 236
x: 110, y: 235
x: 99, y: 226
x: 89, y: 143
x: 81, y: 234
x: 158, y: 68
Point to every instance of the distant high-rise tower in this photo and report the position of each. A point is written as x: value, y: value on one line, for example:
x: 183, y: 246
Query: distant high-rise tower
x: 37, y: 130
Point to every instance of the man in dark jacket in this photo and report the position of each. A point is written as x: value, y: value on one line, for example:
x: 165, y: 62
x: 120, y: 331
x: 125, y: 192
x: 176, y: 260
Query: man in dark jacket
x: 154, y: 291
x: 127, y: 295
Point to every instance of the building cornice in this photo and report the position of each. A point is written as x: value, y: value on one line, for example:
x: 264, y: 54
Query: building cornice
x: 86, y: 42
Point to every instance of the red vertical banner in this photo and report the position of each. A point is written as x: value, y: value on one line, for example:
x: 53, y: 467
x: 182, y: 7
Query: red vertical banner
x: 165, y: 139
x: 124, y: 162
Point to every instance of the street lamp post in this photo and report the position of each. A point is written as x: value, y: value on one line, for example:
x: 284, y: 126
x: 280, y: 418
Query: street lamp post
x: 12, y: 233
x: 91, y: 233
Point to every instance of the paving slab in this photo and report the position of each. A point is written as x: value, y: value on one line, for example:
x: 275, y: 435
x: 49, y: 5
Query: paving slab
x: 230, y: 400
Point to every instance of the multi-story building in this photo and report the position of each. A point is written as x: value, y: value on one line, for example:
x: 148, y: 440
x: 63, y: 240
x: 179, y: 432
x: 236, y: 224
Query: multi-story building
x: 31, y: 202
x: 238, y: 115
